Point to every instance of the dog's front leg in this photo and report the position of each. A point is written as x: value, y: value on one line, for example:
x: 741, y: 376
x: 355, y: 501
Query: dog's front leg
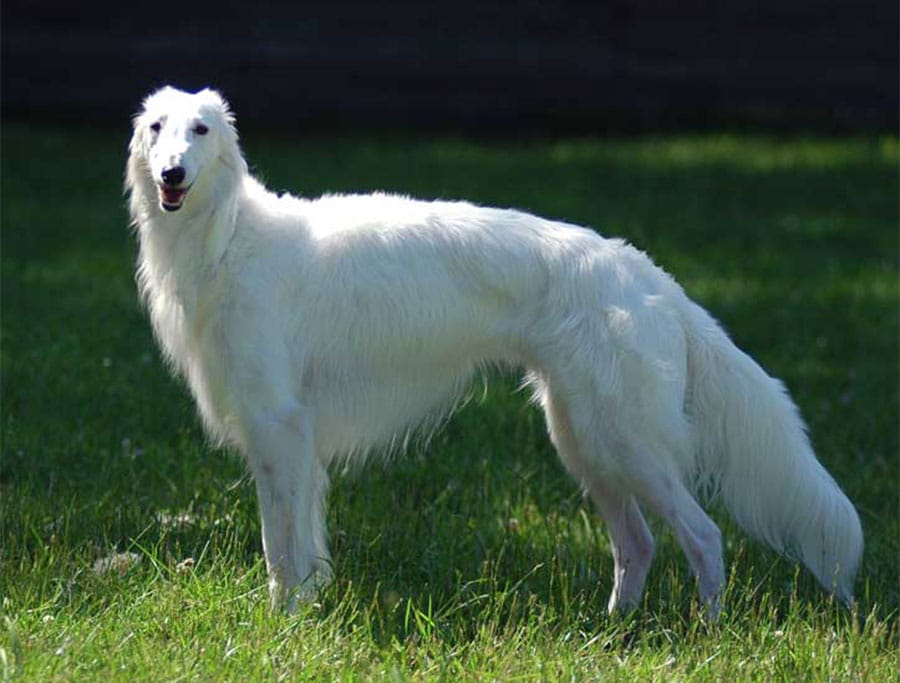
x: 291, y: 485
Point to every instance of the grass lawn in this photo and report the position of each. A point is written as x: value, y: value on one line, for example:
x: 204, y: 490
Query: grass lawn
x: 130, y: 550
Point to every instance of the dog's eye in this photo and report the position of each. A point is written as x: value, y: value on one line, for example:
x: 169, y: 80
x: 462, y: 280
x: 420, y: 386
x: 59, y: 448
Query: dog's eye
x: 156, y: 126
x: 201, y: 129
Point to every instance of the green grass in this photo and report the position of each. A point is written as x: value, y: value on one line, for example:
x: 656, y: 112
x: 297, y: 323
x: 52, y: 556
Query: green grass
x: 475, y: 559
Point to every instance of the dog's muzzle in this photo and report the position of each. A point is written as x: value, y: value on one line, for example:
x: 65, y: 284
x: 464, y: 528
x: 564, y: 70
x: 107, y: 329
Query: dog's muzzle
x: 171, y: 191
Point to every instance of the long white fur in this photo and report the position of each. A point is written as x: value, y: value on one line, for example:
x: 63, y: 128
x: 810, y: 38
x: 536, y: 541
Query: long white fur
x: 314, y: 330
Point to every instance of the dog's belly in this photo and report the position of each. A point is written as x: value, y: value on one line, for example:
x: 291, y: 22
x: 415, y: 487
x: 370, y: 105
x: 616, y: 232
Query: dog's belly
x: 380, y: 410
x: 377, y: 372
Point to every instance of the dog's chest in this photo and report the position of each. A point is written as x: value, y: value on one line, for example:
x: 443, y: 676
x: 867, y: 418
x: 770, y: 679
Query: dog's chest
x: 186, y: 310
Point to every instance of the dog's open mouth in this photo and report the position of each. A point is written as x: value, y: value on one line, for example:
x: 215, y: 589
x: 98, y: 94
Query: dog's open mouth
x: 171, y: 198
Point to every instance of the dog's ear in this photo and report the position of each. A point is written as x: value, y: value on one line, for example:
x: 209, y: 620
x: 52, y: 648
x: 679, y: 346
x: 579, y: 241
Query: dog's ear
x: 137, y: 169
x: 214, y: 100
x: 140, y: 120
x: 154, y: 101
x: 136, y: 151
x: 231, y: 153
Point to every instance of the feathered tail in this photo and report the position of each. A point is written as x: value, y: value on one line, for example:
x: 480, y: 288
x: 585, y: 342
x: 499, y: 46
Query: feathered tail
x: 753, y: 450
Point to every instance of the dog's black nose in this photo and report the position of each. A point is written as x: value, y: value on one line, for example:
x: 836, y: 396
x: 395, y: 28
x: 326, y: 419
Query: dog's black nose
x: 173, y: 176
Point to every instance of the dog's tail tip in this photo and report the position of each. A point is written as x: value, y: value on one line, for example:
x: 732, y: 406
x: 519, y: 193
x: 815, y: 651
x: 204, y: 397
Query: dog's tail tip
x: 753, y: 448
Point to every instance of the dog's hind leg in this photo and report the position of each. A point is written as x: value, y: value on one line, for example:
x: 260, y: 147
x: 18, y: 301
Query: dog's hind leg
x: 630, y: 538
x: 631, y: 541
x: 646, y: 467
x: 620, y: 467
x: 290, y: 483
x: 666, y: 496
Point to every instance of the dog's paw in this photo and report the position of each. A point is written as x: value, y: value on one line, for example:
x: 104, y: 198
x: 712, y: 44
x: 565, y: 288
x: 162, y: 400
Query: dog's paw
x: 290, y: 598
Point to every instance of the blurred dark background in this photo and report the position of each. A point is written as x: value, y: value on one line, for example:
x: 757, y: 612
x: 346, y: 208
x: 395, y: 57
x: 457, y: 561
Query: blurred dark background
x: 486, y: 66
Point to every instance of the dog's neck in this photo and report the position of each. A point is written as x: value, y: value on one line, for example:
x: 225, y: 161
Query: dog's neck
x: 181, y: 250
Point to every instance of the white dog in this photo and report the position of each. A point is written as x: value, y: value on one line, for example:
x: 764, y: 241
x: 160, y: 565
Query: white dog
x: 314, y: 330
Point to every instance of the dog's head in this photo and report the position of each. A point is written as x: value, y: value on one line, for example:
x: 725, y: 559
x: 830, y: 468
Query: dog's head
x: 180, y: 141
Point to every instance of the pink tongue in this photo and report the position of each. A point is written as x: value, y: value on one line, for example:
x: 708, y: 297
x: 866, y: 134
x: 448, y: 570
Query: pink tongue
x: 172, y: 195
